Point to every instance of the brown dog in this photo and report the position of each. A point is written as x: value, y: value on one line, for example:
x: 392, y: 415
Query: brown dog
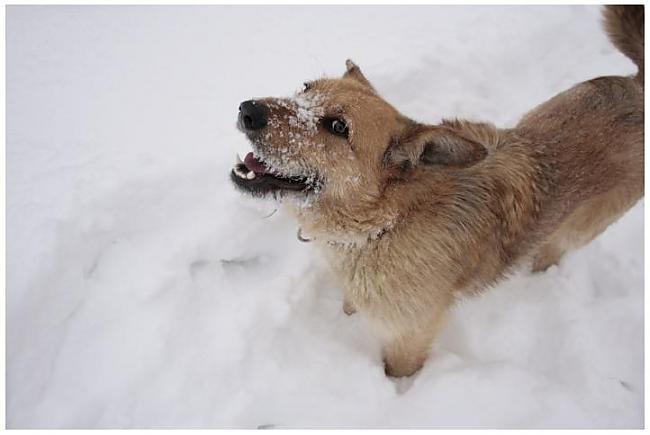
x: 416, y: 215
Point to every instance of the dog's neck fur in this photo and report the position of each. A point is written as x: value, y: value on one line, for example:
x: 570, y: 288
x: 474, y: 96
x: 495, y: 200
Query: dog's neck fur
x: 356, y: 225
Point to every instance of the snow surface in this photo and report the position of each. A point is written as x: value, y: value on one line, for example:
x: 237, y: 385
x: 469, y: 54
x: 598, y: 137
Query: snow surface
x: 144, y: 291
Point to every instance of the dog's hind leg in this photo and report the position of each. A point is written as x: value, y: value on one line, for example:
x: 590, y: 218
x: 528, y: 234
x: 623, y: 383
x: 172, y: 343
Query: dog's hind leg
x: 583, y: 225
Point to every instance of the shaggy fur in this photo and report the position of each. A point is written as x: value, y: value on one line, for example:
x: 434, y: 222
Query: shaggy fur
x: 414, y: 216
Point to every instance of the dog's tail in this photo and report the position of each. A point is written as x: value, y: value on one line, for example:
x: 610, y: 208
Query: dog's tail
x: 624, y: 25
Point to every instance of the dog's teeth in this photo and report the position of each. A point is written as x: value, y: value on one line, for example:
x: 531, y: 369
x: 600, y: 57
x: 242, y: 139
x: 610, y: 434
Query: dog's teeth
x: 250, y: 175
x: 239, y: 159
x: 239, y: 173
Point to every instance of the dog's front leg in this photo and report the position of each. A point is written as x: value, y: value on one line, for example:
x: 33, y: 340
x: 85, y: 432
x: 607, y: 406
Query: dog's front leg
x: 348, y: 305
x: 406, y: 351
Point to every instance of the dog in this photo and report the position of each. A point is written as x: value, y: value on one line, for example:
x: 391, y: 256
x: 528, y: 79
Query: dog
x: 415, y: 216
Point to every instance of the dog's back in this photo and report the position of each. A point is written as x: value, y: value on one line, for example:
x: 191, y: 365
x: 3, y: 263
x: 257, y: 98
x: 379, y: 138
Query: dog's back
x: 590, y: 144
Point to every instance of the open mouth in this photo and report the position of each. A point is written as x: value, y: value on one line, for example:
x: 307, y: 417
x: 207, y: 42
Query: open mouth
x: 256, y: 177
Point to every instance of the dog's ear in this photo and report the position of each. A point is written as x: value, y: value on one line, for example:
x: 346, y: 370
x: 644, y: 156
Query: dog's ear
x: 354, y: 72
x: 432, y: 146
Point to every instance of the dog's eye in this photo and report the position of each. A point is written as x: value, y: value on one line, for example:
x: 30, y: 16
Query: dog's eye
x: 306, y: 86
x: 337, y: 126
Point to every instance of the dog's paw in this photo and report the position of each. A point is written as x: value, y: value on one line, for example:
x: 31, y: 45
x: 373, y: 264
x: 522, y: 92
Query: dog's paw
x: 401, y: 370
x: 348, y: 308
x: 541, y: 264
x: 548, y: 255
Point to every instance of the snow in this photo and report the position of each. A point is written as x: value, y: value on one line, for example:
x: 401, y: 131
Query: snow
x: 144, y: 291
x: 308, y: 111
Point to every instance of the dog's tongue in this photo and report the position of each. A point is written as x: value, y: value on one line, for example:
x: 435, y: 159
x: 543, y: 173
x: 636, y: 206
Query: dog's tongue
x: 253, y: 164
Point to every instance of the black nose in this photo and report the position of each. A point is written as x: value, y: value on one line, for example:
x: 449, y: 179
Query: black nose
x: 252, y: 115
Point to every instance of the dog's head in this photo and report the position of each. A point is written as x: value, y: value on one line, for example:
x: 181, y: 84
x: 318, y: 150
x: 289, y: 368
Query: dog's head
x: 339, y: 148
